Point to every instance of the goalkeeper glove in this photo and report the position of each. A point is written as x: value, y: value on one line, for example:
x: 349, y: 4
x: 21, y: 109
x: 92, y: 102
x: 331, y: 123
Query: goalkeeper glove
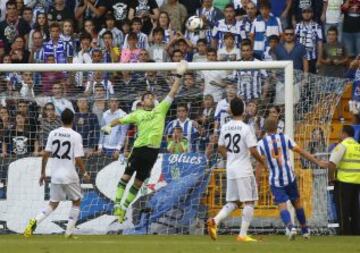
x: 106, y: 129
x: 181, y: 68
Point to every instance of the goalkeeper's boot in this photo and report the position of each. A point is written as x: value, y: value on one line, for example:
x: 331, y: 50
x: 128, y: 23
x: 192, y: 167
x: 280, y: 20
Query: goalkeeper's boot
x: 212, y: 228
x: 30, y: 228
x: 305, y: 232
x: 120, y: 212
x: 245, y: 238
x: 292, y: 234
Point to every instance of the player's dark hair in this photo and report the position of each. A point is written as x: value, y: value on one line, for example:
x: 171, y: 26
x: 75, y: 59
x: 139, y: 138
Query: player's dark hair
x: 237, y: 106
x: 67, y: 117
x: 348, y: 130
x: 270, y: 125
x: 145, y: 94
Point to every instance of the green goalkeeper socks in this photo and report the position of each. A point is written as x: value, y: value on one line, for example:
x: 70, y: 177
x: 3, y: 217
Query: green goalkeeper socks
x: 120, y: 191
x: 131, y: 196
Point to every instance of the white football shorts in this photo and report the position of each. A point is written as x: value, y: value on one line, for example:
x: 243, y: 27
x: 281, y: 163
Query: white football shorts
x: 60, y: 192
x: 242, y: 189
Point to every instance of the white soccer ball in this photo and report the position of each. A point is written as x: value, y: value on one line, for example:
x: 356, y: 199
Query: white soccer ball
x: 194, y: 23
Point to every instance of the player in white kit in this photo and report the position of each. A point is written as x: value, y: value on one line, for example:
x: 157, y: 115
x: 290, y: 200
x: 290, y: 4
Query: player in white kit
x: 65, y: 148
x: 237, y: 141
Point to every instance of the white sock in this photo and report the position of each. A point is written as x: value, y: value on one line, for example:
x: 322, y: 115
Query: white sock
x: 73, y: 217
x: 44, y: 213
x: 225, y: 212
x: 248, y: 213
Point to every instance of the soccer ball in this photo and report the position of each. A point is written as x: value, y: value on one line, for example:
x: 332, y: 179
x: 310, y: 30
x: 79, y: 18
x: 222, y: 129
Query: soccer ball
x: 194, y: 23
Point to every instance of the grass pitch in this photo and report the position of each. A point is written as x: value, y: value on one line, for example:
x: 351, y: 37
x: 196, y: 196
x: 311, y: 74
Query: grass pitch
x: 175, y: 244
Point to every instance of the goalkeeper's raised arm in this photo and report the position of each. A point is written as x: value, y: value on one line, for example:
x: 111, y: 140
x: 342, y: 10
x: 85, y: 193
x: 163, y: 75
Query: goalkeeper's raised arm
x: 149, y: 105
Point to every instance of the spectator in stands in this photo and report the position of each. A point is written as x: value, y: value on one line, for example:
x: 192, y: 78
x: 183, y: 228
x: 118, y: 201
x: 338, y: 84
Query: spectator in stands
x: 205, y: 120
x: 55, y: 46
x: 37, y: 50
x: 97, y: 56
x: 177, y: 14
x: 20, y: 140
x: 99, y: 101
x: 83, y: 56
x: 111, y: 53
x: 157, y: 48
x: 213, y: 79
x: 351, y: 27
x: 253, y: 84
x: 222, y: 115
x: 48, y: 122
x: 59, y: 12
x: 18, y: 52
x: 248, y: 20
x: 132, y: 52
x: 164, y: 22
x: 87, y: 125
x: 5, y: 126
x: 12, y: 26
x: 178, y: 144
x: 240, y: 7
x: 263, y: 27
x: 49, y: 78
x: 354, y: 74
x: 117, y: 34
x: 253, y: 119
x: 111, y: 145
x: 201, y: 51
x: 282, y: 10
x: 136, y: 26
x: 147, y: 10
x: 298, y: 6
x: 210, y: 15
x: 57, y: 99
x: 225, y: 25
x: 99, y: 78
x: 229, y: 52
x: 91, y: 9
x: 309, y: 34
x: 41, y: 24
x: 27, y: 88
x: 290, y: 49
x: 19, y: 6
x: 190, y: 127
x: 69, y: 39
x: 332, y: 16
x: 274, y: 113
x: 334, y: 57
x: 269, y: 54
x: 89, y: 28
x: 189, y: 89
x: 27, y: 16
x: 180, y: 43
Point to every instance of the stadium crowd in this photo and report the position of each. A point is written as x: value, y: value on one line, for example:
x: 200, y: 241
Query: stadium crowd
x: 320, y: 37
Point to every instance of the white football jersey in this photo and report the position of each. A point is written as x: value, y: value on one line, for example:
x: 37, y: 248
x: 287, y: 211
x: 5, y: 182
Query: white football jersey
x: 65, y: 145
x: 238, y: 138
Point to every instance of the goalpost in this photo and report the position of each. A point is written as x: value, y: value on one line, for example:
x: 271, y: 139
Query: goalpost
x: 198, y: 193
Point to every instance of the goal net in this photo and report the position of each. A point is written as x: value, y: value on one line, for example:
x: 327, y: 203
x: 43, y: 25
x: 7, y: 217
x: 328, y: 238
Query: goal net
x: 188, y: 181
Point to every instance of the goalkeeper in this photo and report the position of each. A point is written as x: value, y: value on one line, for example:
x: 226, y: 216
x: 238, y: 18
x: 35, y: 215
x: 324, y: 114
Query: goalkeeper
x: 150, y: 123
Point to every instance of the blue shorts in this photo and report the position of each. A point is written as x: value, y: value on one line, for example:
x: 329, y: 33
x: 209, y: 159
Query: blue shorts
x: 283, y: 194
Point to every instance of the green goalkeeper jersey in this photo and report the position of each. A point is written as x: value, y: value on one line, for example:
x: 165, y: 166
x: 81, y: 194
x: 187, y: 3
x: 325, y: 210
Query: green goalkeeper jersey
x: 150, y: 124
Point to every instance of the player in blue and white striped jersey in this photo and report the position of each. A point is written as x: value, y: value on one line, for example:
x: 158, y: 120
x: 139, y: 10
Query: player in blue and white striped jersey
x: 275, y: 148
x: 226, y: 25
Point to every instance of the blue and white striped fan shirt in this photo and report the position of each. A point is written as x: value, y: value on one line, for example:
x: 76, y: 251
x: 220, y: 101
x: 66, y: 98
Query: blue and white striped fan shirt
x: 309, y: 34
x: 221, y: 28
x: 276, y: 149
x: 262, y: 29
